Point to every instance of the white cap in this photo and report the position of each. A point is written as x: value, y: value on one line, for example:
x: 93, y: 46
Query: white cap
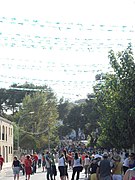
x: 97, y: 156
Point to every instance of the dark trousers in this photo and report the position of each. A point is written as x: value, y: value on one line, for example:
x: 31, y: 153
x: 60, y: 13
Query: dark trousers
x: 34, y: 167
x: 23, y: 169
x: 49, y: 174
x: 125, y: 169
x: 74, y: 172
x: 39, y: 163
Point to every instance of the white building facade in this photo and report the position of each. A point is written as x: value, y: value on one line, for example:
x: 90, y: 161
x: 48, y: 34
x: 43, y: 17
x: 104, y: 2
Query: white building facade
x: 6, y: 139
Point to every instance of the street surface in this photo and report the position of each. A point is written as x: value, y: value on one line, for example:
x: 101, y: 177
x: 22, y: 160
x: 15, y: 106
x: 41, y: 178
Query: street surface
x: 7, y: 174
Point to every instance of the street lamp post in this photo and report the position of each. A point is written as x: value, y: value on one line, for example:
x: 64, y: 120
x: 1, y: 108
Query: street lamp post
x: 21, y: 117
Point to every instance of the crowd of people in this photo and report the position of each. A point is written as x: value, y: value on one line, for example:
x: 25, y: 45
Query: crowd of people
x: 27, y: 163
x: 96, y: 165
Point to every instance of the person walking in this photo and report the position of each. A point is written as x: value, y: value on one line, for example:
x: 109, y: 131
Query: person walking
x: 117, y: 168
x: 53, y: 167
x: 61, y: 166
x: 35, y: 162
x: 70, y: 158
x: 66, y: 163
x: 132, y: 160
x: 83, y: 158
x: 130, y: 174
x: 126, y: 163
x: 93, y: 168
x: 104, y: 168
x: 28, y: 169
x: 77, y: 167
x: 22, y: 159
x: 39, y: 159
x: 16, y: 168
x: 48, y: 166
x: 43, y: 162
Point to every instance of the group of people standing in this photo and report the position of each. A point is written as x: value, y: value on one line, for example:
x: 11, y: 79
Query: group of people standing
x: 104, y: 166
x: 74, y: 162
x: 27, y: 163
x: 110, y: 166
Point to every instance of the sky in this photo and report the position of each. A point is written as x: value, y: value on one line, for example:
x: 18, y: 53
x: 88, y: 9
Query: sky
x: 82, y: 10
x: 62, y: 43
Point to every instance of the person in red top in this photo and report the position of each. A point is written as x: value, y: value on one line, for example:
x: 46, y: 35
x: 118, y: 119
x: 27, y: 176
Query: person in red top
x: 28, y: 164
x: 1, y: 162
x: 83, y: 158
x: 70, y: 158
x: 35, y: 158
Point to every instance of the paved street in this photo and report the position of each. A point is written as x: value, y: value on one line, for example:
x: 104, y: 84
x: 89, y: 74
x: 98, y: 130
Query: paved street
x: 6, y: 174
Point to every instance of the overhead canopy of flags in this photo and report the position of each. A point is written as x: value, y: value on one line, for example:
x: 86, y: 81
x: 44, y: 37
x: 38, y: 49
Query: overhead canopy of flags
x: 54, y: 44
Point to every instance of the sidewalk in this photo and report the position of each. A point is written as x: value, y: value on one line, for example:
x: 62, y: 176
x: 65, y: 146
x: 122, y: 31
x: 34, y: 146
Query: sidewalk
x: 82, y: 176
x: 7, y: 165
x: 5, y: 169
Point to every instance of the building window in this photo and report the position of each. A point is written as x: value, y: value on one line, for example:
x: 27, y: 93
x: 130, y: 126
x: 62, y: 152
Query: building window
x: 9, y: 132
x: 0, y: 150
x: 9, y: 149
x: 6, y: 133
x: 3, y: 132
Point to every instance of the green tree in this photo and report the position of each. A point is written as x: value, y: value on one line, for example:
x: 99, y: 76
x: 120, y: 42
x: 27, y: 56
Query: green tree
x: 25, y: 142
x: 91, y: 115
x: 75, y: 120
x: 116, y: 101
x: 13, y: 96
x: 43, y: 120
x: 3, y: 99
x: 107, y: 107
x: 64, y: 108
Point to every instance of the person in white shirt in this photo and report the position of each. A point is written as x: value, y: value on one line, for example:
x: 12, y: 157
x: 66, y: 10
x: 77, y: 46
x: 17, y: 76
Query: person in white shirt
x: 61, y: 166
x: 126, y: 163
x: 77, y: 167
x: 39, y: 159
x: 48, y: 166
